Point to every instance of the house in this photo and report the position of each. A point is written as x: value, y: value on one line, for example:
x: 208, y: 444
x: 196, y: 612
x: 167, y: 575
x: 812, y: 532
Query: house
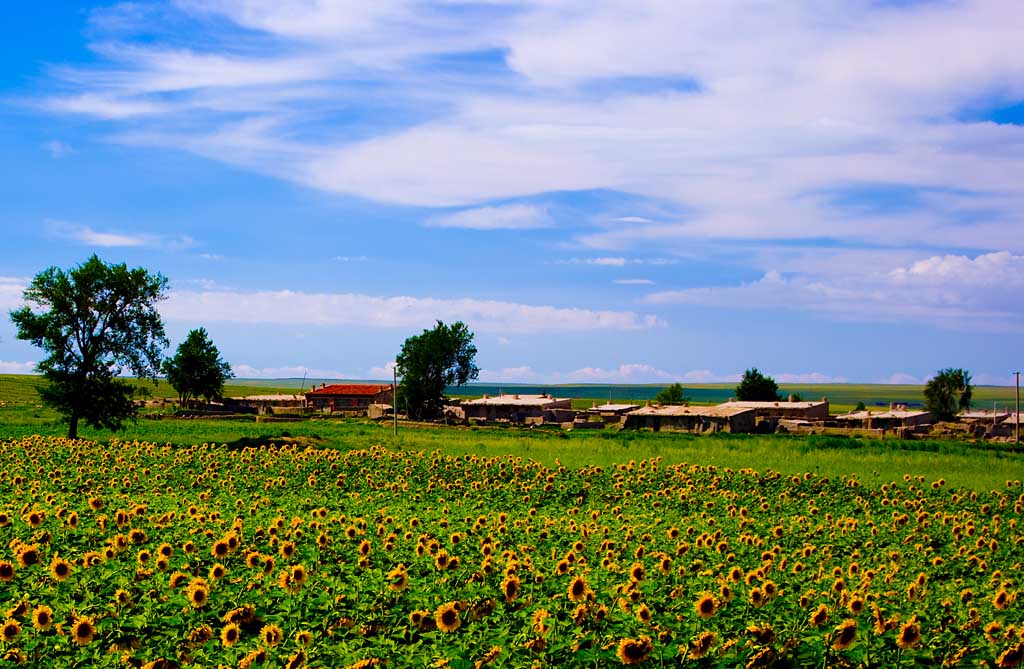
x: 721, y: 418
x: 895, y: 417
x: 348, y: 397
x: 518, y: 408
x: 785, y: 409
x: 264, y: 404
x: 611, y: 413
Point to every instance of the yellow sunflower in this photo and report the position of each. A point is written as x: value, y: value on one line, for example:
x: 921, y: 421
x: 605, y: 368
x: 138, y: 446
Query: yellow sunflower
x: 634, y: 651
x: 447, y: 617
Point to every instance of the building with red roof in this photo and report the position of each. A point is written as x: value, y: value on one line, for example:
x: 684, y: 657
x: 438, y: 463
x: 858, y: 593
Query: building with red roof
x: 348, y: 396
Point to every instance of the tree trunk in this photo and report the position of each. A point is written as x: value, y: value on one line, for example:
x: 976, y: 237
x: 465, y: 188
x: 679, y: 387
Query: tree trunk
x: 73, y: 426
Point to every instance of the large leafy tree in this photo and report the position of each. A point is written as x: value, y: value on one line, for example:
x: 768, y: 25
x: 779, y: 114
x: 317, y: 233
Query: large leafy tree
x: 439, y: 357
x: 671, y: 395
x: 756, y: 387
x: 947, y: 392
x: 196, y: 370
x: 95, y: 322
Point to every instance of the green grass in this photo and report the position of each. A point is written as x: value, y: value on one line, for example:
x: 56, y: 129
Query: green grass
x: 969, y: 465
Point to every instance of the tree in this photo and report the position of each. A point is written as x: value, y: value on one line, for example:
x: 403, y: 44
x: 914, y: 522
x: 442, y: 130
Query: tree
x: 756, y: 387
x: 95, y: 322
x: 429, y: 362
x: 196, y: 369
x: 947, y: 392
x: 671, y: 395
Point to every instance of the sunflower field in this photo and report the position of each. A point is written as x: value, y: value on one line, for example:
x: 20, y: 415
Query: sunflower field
x: 144, y: 555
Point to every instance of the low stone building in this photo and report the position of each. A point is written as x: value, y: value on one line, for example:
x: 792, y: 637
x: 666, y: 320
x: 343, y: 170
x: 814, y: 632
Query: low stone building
x: 721, y: 418
x: 890, y: 419
x: 518, y: 408
x: 785, y: 409
x: 611, y: 413
x: 265, y: 405
x: 348, y: 397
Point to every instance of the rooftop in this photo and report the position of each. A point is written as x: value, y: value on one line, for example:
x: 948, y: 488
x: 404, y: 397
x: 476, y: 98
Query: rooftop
x: 614, y: 407
x: 515, y: 400
x: 892, y: 413
x: 721, y: 411
x: 349, y: 389
x: 778, y: 405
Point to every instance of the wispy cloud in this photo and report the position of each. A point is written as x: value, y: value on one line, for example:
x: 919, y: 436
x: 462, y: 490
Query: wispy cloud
x: 952, y: 291
x: 11, y: 367
x: 639, y: 373
x: 300, y: 308
x: 243, y: 371
x: 504, y: 217
x: 57, y: 148
x: 619, y: 261
x: 87, y: 236
x: 350, y: 258
x: 634, y: 282
x: 724, y: 99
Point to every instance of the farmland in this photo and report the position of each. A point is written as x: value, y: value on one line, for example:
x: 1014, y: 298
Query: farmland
x: 335, y: 543
x: 286, y: 556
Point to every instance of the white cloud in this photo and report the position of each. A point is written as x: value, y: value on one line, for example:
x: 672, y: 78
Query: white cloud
x: 618, y: 261
x: 707, y: 376
x: 244, y: 371
x: 11, y: 367
x: 212, y: 257
x: 808, y: 377
x: 88, y: 236
x: 951, y: 291
x: 631, y: 373
x: 741, y: 114
x: 299, y: 308
x: 503, y: 341
x: 11, y: 290
x: 902, y: 379
x: 634, y: 282
x: 350, y: 258
x: 504, y: 217
x: 57, y: 148
x: 384, y: 372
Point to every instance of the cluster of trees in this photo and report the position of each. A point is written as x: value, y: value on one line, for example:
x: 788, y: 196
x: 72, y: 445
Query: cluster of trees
x: 98, y: 321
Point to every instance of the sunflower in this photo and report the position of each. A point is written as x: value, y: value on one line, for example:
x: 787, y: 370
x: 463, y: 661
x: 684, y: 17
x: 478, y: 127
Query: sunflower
x: 198, y: 593
x: 856, y: 605
x: 6, y: 571
x: 1001, y: 600
x: 177, y: 580
x: 819, y: 616
x: 845, y: 635
x: 220, y: 549
x: 578, y: 589
x: 230, y: 634
x: 910, y: 634
x: 10, y: 630
x: 122, y: 597
x: 398, y: 578
x: 1012, y: 656
x: 28, y: 555
x: 271, y: 635
x: 42, y: 618
x: 447, y: 617
x: 510, y: 587
x: 634, y: 651
x: 992, y: 631
x: 303, y: 638
x: 700, y: 645
x: 299, y: 575
x: 217, y: 572
x: 637, y: 572
x: 441, y: 560
x: 540, y: 621
x: 82, y: 631
x: 757, y: 597
x: 643, y: 614
x: 706, y: 606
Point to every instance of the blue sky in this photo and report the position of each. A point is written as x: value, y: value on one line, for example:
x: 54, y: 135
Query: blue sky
x: 622, y: 191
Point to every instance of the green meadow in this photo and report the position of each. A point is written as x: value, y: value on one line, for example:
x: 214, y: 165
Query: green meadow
x: 977, y: 466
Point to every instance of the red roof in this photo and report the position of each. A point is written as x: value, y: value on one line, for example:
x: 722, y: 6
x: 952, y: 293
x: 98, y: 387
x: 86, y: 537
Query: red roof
x: 347, y: 389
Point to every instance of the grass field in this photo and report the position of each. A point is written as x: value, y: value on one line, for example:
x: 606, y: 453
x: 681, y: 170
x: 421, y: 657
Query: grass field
x: 971, y: 466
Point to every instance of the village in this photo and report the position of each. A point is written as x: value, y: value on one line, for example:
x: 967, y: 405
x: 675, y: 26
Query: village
x: 791, y: 415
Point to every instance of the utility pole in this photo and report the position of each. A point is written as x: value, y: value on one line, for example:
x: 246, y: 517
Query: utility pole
x: 1016, y: 422
x: 394, y: 397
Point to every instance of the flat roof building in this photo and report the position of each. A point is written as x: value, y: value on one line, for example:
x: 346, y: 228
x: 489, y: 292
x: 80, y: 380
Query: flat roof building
x: 721, y: 418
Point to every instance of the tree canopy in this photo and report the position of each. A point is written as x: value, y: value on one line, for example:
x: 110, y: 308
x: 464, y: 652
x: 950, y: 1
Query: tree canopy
x: 671, y: 395
x: 95, y: 322
x: 196, y: 370
x: 440, y: 357
x: 947, y: 392
x: 756, y: 387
